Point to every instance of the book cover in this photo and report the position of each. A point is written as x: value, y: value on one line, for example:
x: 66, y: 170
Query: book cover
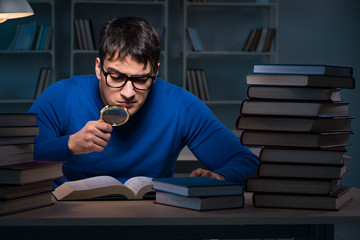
x: 200, y: 203
x: 197, y: 186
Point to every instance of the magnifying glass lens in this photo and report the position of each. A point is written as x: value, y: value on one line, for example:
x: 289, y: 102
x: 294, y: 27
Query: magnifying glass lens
x: 115, y: 115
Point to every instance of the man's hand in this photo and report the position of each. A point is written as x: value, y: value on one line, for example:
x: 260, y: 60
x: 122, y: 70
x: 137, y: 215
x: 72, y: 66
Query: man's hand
x: 200, y: 172
x: 94, y: 136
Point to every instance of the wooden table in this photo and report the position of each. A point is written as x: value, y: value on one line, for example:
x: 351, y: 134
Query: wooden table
x: 146, y: 220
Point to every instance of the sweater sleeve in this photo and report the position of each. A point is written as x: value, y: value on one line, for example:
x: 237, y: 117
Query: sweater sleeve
x: 215, y: 145
x: 52, y: 143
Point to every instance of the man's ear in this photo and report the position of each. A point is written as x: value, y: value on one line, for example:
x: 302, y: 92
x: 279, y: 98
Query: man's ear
x: 157, y: 70
x: 98, y: 68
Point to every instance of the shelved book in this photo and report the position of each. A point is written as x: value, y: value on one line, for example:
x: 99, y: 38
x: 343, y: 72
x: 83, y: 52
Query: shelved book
x: 260, y: 40
x: 294, y: 139
x: 84, y: 34
x: 195, y: 42
x: 197, y: 186
x: 200, y: 203
x: 294, y: 108
x: 196, y: 83
x: 294, y: 93
x: 31, y: 36
x: 301, y: 80
x: 43, y: 81
x: 293, y: 124
x: 306, y: 69
x: 104, y: 187
x: 336, y: 200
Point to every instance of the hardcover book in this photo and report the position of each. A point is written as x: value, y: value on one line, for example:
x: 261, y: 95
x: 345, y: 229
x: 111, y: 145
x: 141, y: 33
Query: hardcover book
x: 30, y: 172
x: 283, y: 170
x: 290, y: 185
x: 334, y: 155
x: 294, y: 108
x: 104, y: 187
x: 295, y: 139
x: 336, y: 200
x: 25, y: 203
x: 301, y: 80
x: 294, y: 93
x: 293, y: 124
x: 197, y: 186
x: 307, y: 69
x: 17, y: 119
x: 17, y: 191
x: 200, y: 203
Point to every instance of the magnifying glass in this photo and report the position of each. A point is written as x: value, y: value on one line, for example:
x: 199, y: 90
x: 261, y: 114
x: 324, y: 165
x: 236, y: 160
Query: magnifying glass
x: 115, y: 115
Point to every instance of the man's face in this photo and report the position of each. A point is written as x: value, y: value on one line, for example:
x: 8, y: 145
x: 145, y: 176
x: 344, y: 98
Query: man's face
x: 127, y: 95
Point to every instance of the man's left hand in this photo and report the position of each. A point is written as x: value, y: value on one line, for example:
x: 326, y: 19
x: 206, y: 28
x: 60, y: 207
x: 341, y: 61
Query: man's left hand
x: 200, y: 172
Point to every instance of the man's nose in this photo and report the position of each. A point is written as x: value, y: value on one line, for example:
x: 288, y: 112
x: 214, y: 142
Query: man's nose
x: 128, y: 90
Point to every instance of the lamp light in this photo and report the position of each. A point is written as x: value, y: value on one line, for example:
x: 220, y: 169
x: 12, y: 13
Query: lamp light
x: 14, y: 9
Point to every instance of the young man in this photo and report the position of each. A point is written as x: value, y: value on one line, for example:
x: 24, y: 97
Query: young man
x: 163, y: 118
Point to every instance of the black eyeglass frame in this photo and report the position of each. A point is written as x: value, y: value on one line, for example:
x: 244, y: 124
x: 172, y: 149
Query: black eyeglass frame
x: 128, y: 78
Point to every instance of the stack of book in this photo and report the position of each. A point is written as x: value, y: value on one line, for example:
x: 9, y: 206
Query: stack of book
x: 24, y: 183
x: 296, y: 116
x: 198, y: 193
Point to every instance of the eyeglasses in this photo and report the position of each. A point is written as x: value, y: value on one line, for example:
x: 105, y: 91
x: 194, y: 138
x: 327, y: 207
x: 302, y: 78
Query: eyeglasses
x: 118, y: 80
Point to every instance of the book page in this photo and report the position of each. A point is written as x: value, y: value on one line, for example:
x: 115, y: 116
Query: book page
x: 94, y: 182
x: 139, y: 185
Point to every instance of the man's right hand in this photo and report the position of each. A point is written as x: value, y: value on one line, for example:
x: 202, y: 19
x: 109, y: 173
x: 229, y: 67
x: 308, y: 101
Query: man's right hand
x: 93, y: 137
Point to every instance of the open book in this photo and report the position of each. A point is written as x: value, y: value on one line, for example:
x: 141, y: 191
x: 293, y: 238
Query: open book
x: 104, y: 186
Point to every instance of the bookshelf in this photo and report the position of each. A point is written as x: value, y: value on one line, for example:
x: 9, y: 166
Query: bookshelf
x: 223, y: 59
x: 83, y: 61
x: 20, y: 76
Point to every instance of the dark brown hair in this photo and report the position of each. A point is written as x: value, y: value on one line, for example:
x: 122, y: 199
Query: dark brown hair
x: 130, y: 36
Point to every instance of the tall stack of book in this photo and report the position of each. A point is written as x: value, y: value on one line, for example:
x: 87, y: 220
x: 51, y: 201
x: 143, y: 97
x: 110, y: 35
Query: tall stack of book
x: 295, y: 114
x: 198, y: 193
x: 25, y: 183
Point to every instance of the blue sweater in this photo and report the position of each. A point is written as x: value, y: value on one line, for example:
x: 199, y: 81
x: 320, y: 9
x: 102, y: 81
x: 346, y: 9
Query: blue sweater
x: 148, y: 144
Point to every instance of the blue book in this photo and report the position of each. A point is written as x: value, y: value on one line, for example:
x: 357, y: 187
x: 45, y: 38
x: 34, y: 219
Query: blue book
x: 197, y: 186
x: 307, y: 69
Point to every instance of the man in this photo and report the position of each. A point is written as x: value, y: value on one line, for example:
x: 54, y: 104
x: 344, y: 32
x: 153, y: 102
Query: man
x: 163, y: 118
